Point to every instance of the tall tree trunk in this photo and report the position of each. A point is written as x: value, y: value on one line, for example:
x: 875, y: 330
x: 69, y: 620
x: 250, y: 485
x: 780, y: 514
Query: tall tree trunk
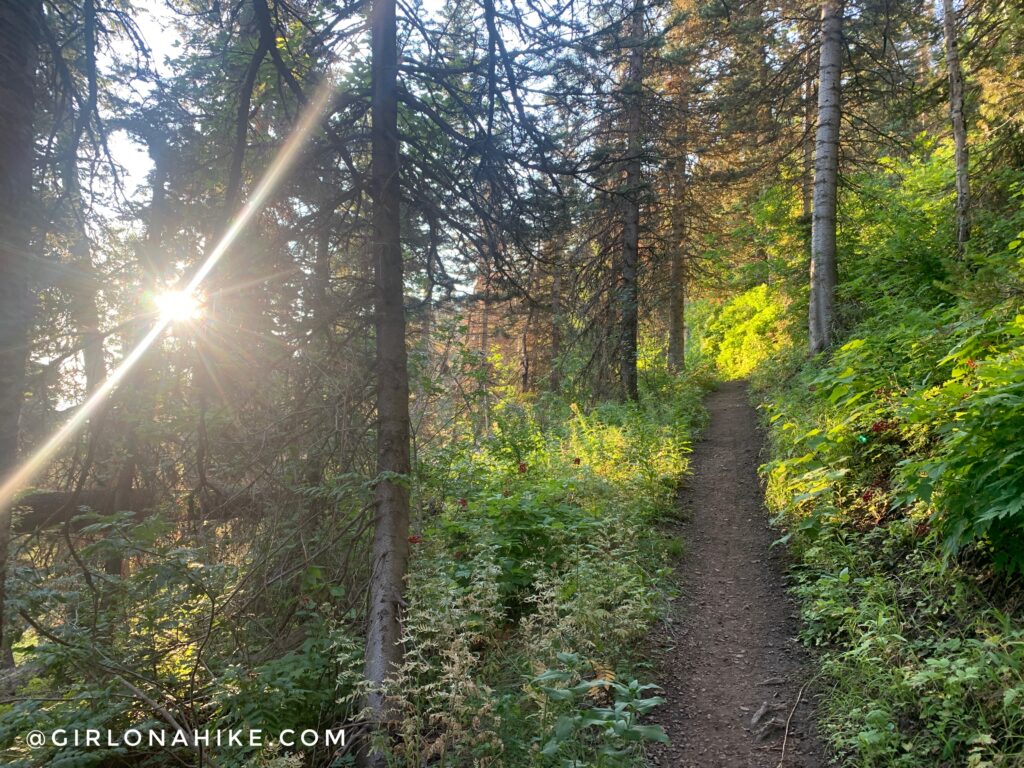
x: 555, y: 375
x: 391, y: 529
x: 807, y: 177
x: 427, y: 324
x: 676, y: 357
x: 18, y: 49
x: 677, y: 302
x: 321, y: 310
x: 956, y: 114
x: 677, y: 312
x: 137, y: 402
x: 87, y: 316
x: 485, y: 350
x: 629, y: 265
x: 826, y: 178
x: 525, y: 364
x: 807, y: 143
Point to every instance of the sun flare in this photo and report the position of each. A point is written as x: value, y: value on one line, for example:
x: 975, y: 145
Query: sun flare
x: 178, y: 306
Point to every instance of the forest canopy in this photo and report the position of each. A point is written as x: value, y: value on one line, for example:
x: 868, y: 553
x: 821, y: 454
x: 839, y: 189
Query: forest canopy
x: 351, y: 353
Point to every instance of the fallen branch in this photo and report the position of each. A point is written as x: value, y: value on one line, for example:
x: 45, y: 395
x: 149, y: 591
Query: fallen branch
x: 47, y: 509
x: 789, y: 720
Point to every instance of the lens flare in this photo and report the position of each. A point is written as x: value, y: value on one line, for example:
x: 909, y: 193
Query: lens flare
x: 178, y: 306
x: 184, y: 300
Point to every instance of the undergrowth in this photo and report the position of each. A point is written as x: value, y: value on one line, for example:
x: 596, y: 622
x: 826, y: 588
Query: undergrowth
x: 897, y: 463
x: 536, y: 568
x: 532, y: 585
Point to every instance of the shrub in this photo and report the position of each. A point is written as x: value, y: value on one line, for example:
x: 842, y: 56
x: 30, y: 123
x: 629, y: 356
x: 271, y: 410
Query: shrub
x: 747, y: 331
x: 537, y: 576
x: 897, y: 471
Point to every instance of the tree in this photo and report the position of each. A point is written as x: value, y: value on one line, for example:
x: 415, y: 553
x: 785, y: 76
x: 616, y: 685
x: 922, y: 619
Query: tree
x: 677, y: 190
x: 826, y: 176
x: 956, y: 115
x: 19, y: 31
x: 632, y: 89
x: 391, y: 524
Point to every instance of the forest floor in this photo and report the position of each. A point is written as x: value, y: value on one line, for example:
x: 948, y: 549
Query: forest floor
x: 727, y: 655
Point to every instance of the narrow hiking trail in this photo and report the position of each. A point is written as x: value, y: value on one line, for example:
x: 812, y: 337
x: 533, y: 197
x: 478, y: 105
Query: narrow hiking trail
x: 727, y: 655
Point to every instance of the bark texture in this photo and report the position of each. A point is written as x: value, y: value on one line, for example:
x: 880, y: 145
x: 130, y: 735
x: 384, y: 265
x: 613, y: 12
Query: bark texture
x: 555, y: 379
x: 18, y: 49
x: 807, y: 140
x: 629, y: 265
x: 677, y: 310
x: 391, y: 530
x: 956, y: 115
x: 676, y: 357
x: 826, y: 177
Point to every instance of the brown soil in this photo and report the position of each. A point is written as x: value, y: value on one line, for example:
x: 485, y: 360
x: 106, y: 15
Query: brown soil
x: 726, y: 656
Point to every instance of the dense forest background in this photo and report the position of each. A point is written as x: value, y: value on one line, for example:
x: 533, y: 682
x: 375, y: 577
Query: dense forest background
x: 350, y: 353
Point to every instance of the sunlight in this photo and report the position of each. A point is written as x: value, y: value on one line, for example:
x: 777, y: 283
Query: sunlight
x: 178, y: 306
x: 175, y: 305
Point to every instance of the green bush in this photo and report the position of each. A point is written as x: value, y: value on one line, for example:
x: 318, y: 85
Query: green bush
x: 897, y: 464
x: 532, y: 582
x: 747, y: 331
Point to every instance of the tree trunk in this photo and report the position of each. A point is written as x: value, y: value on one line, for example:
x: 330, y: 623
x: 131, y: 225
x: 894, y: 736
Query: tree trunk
x: 628, y: 295
x: 525, y: 364
x: 807, y: 142
x: 321, y: 310
x: 427, y: 324
x: 555, y: 377
x: 391, y: 530
x: 956, y: 114
x: 677, y: 309
x: 137, y: 402
x: 826, y: 177
x: 676, y: 357
x: 86, y: 314
x: 18, y: 48
x: 485, y: 351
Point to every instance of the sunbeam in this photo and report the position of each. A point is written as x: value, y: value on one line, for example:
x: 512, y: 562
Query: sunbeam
x: 180, y: 305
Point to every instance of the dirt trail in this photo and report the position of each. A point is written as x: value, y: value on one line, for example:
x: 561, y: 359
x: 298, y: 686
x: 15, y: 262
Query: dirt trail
x: 726, y: 656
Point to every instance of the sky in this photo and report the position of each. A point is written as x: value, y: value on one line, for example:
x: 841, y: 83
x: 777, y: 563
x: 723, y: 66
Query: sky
x: 157, y: 24
x: 154, y: 21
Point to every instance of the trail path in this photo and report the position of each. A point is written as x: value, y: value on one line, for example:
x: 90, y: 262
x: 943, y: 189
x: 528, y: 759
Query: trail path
x: 726, y: 656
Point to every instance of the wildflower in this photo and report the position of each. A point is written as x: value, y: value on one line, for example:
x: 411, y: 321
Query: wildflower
x: 463, y: 503
x: 415, y: 539
x: 971, y: 364
x: 522, y: 467
x: 867, y: 496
